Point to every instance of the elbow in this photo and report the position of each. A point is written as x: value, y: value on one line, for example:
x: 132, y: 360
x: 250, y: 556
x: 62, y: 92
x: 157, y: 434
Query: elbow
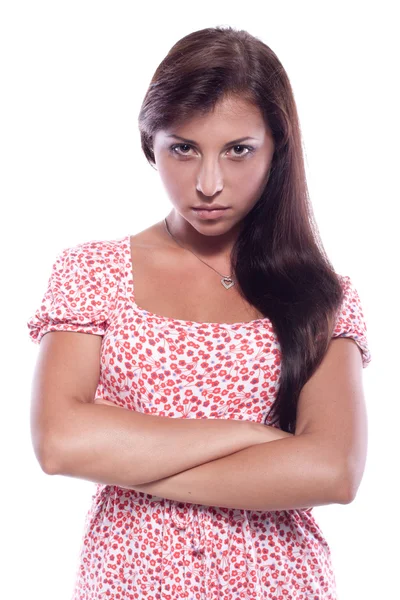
x: 50, y: 464
x: 349, y: 490
x: 47, y: 457
x: 346, y: 488
x: 351, y: 478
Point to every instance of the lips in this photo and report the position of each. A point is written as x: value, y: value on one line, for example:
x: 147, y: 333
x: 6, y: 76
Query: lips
x: 210, y: 213
x: 211, y: 209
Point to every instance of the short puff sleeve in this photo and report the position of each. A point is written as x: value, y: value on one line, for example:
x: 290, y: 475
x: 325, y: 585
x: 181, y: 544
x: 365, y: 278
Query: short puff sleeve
x: 350, y: 321
x: 81, y: 292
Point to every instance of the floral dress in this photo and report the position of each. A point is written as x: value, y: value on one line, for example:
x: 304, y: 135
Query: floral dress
x: 140, y: 546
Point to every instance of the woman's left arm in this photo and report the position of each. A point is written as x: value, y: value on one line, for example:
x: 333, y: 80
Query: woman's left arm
x: 323, y: 463
x: 285, y: 474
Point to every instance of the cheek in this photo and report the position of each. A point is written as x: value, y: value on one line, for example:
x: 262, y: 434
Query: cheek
x: 177, y: 182
x: 175, y: 176
x: 250, y: 180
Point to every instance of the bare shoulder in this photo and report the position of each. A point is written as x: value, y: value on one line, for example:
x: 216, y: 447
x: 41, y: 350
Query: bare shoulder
x: 153, y: 237
x: 153, y: 251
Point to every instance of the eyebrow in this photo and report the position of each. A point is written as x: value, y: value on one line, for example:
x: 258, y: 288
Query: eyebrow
x: 187, y: 141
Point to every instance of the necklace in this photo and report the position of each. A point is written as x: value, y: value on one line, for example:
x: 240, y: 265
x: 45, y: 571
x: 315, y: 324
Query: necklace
x: 226, y: 281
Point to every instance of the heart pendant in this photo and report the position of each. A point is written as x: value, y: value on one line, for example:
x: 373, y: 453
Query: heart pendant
x: 227, y: 282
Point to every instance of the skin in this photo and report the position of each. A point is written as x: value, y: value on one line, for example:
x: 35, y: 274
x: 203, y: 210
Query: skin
x: 212, y: 170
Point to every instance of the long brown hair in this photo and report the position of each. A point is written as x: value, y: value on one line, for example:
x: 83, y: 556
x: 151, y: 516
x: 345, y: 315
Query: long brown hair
x: 278, y: 258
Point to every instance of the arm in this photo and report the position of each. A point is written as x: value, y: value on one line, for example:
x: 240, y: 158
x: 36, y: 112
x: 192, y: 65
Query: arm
x: 282, y: 475
x: 72, y: 436
x: 112, y: 446
x: 322, y: 464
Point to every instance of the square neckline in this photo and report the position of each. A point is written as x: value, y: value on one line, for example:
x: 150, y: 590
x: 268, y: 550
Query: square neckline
x: 180, y: 322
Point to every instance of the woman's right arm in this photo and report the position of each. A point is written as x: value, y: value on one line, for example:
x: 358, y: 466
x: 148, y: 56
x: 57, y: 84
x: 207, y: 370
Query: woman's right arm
x: 73, y: 436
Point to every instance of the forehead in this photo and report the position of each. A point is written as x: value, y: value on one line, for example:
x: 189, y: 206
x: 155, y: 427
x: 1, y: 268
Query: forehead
x: 231, y: 116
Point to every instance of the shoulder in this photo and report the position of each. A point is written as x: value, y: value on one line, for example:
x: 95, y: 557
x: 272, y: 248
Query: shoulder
x: 350, y: 318
x: 351, y: 303
x: 82, y: 290
x: 92, y: 267
x: 94, y: 252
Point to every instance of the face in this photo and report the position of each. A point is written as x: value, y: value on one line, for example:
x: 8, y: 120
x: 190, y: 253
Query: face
x: 224, y: 158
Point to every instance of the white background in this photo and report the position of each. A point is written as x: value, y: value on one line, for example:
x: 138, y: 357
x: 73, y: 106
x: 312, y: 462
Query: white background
x: 73, y: 76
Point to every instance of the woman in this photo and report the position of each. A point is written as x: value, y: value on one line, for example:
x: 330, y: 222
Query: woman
x: 214, y: 327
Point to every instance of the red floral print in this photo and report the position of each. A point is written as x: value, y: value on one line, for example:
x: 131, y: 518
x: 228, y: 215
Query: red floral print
x: 137, y: 546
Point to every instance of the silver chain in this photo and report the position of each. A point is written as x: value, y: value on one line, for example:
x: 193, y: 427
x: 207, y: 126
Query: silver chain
x: 226, y: 280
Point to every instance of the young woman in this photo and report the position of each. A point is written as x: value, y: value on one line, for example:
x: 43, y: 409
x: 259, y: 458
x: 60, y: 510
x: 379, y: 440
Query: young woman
x: 225, y: 332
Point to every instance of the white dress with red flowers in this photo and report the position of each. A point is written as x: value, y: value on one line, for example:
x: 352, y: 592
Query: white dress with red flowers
x: 137, y: 546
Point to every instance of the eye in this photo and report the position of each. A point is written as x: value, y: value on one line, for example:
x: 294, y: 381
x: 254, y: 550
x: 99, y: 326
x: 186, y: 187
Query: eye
x: 184, y: 148
x: 249, y: 149
x: 176, y: 146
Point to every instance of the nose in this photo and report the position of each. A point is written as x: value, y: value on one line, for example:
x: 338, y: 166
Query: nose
x: 209, y: 179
